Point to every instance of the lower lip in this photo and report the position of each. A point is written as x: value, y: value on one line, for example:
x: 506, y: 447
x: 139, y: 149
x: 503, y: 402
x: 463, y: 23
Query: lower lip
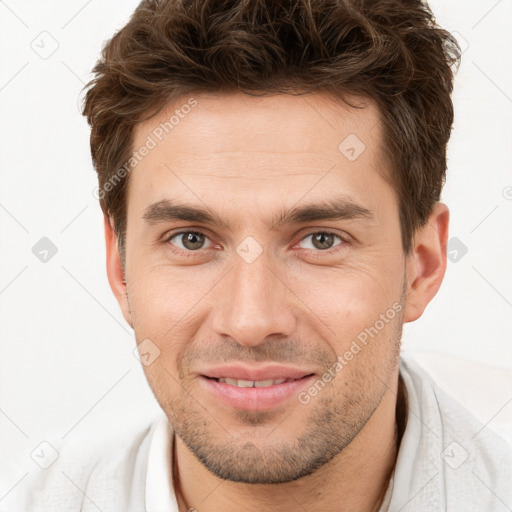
x: 255, y: 399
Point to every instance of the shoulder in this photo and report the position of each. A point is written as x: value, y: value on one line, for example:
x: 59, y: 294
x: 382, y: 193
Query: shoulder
x: 93, y: 472
x: 472, y: 463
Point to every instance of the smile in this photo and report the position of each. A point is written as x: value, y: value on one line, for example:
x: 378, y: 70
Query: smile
x: 255, y: 395
x: 241, y: 383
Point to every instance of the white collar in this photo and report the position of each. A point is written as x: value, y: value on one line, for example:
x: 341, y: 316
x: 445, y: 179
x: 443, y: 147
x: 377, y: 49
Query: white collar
x: 160, y: 495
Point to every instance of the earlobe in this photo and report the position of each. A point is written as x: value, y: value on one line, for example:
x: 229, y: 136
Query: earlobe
x: 426, y: 265
x: 115, y: 270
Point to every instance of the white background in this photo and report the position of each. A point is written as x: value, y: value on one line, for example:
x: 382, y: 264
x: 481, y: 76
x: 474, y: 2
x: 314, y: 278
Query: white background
x: 66, y: 365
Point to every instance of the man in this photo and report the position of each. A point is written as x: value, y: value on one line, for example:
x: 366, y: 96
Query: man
x: 270, y: 175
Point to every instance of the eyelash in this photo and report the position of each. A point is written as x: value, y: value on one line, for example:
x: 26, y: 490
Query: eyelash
x: 316, y: 253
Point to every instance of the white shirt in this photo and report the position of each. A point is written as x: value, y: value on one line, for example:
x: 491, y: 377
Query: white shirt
x: 447, y: 461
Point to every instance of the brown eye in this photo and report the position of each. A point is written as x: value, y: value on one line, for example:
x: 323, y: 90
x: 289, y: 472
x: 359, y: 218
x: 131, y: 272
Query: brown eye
x: 322, y: 240
x: 190, y: 240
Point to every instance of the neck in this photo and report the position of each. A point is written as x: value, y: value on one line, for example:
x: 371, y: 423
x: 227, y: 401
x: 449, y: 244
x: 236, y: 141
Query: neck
x: 356, y: 480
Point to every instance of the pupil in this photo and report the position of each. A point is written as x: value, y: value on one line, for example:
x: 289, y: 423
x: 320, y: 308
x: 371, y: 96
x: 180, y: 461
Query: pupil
x: 319, y: 240
x: 193, y: 241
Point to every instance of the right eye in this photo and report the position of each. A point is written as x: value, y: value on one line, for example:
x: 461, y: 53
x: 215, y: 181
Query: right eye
x: 189, y: 241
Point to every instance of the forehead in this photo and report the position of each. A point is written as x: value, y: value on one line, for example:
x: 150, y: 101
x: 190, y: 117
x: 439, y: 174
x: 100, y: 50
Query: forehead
x: 225, y: 146
x: 208, y: 122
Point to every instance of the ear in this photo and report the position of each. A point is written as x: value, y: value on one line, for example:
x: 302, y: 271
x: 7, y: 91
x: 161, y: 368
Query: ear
x: 115, y: 270
x: 426, y: 264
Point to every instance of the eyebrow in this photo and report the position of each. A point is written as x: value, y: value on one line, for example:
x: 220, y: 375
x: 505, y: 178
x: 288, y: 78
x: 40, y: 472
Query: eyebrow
x: 334, y: 209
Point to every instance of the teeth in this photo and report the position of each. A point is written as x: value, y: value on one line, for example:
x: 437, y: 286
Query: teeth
x: 244, y: 383
x: 264, y: 383
x: 241, y: 383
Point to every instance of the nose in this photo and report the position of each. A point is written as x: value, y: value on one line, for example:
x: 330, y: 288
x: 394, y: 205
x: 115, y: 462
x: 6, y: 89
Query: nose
x: 254, y: 303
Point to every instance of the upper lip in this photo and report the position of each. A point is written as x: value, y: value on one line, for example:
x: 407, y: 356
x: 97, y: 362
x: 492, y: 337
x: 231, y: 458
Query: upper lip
x: 260, y: 372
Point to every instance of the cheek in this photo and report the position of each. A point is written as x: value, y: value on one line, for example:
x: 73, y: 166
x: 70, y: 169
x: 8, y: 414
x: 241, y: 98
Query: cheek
x: 162, y: 298
x: 348, y: 299
x: 163, y: 312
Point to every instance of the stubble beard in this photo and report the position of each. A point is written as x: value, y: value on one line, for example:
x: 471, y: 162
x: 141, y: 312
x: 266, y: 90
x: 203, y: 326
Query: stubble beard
x: 333, y: 422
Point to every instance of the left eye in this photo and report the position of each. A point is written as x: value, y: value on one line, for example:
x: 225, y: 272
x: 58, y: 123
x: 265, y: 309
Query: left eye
x: 190, y: 240
x: 322, y: 240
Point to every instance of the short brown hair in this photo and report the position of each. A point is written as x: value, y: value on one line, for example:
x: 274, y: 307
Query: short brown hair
x: 392, y: 51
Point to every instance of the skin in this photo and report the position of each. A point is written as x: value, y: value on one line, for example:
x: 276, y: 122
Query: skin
x: 248, y: 159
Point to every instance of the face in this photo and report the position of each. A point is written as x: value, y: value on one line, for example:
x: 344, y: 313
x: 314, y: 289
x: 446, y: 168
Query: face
x: 265, y: 277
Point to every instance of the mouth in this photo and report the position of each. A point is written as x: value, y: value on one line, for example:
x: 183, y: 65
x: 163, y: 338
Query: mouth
x: 242, y: 388
x: 243, y: 383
